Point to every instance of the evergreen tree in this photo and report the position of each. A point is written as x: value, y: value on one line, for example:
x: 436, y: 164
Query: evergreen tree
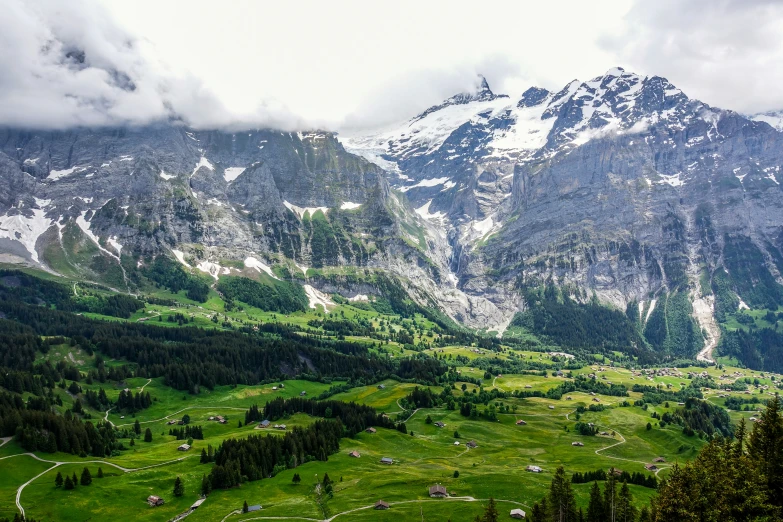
x: 74, y: 479
x: 644, y: 515
x: 68, y: 483
x: 610, y: 496
x: 86, y: 479
x: 204, y: 457
x: 326, y: 480
x: 58, y: 480
x: 562, y: 505
x: 137, y: 427
x: 596, y: 511
x: 491, y: 512
x: 206, y: 485
x: 626, y: 511
x: 148, y: 435
x: 179, y: 487
x: 765, y: 448
x: 244, y: 507
x: 100, y: 472
x: 297, y: 479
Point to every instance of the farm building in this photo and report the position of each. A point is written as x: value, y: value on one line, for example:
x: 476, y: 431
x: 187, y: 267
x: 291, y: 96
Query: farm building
x: 520, y: 422
x: 387, y: 460
x: 302, y: 393
x: 264, y: 423
x: 456, y: 443
x: 381, y: 505
x: 438, y: 491
x: 440, y: 424
x: 354, y: 454
x: 651, y: 467
x: 154, y: 500
x: 534, y: 469
x: 551, y: 407
x: 370, y: 430
x: 577, y: 444
x: 472, y: 444
x: 517, y: 513
x: 197, y: 503
x: 183, y: 447
x: 280, y: 427
x: 381, y: 386
x: 659, y: 459
x: 254, y: 507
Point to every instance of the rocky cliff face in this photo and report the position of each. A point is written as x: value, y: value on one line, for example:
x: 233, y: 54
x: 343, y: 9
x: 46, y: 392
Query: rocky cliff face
x: 621, y: 185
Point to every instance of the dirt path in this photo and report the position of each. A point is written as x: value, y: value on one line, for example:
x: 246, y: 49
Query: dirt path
x: 184, y: 409
x: 145, y: 385
x: 60, y: 463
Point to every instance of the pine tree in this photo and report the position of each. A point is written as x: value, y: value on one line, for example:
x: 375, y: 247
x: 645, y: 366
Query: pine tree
x: 206, y: 485
x: 137, y: 427
x: 58, y: 480
x: 626, y: 511
x: 326, y: 480
x: 68, y: 483
x: 610, y: 496
x: 204, y: 457
x: 765, y: 448
x: 244, y: 507
x: 644, y: 515
x: 74, y: 479
x: 100, y: 472
x: 596, y: 509
x: 148, y: 435
x: 297, y: 479
x: 491, y: 512
x: 86, y: 479
x: 179, y: 487
x: 562, y: 505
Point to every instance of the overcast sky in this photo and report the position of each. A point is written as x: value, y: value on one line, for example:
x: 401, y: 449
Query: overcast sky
x: 341, y: 64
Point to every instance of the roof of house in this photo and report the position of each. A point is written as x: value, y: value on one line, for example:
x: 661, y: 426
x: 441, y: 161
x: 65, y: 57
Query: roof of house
x: 184, y: 446
x: 382, y: 503
x: 387, y: 459
x: 354, y: 453
x: 517, y: 512
x: 197, y: 503
x: 370, y: 430
x: 437, y: 489
x: 153, y: 497
x: 254, y: 507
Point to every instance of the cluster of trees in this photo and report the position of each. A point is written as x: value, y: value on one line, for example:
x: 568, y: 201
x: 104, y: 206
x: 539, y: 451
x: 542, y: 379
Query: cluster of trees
x: 639, y: 479
x: 187, y: 432
x: 169, y: 274
x: 354, y: 417
x: 257, y: 457
x: 71, y: 482
x: 615, y: 504
x: 127, y: 402
x: 271, y: 295
x: 759, y: 349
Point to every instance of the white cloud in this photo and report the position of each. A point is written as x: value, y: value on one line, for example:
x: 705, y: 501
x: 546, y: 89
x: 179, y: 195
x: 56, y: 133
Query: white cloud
x: 354, y: 63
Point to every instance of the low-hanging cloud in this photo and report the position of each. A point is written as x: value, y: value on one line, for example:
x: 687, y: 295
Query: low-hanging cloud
x: 728, y: 53
x: 69, y: 64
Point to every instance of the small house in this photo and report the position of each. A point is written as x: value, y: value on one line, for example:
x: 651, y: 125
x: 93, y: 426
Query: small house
x: 568, y: 399
x: 154, y: 501
x: 355, y: 454
x: 381, y: 505
x: 282, y: 385
x: 534, y: 469
x: 456, y: 443
x: 370, y: 430
x: 197, y: 503
x: 438, y: 491
x: 387, y: 460
x: 302, y: 393
x: 577, y: 444
x: 659, y: 459
x: 517, y: 513
x: 183, y: 447
x: 528, y: 386
x: 596, y: 399
x: 254, y: 507
x: 280, y: 427
x: 440, y: 424
x: 264, y: 423
x: 274, y: 388
x: 551, y: 407
x: 472, y: 444
x: 173, y: 421
x: 651, y: 467
x: 520, y: 422
x: 381, y: 386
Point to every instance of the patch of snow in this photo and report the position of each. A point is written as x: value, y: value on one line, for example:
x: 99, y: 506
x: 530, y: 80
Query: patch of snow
x: 84, y: 225
x: 673, y: 180
x: 742, y: 305
x: 180, y: 255
x: 317, y: 297
x: 434, y: 182
x: 350, y: 206
x: 26, y: 230
x: 424, y: 211
x: 484, y: 226
x: 359, y: 297
x: 126, y: 158
x: 302, y: 268
x: 212, y: 269
x: 167, y: 176
x: 54, y: 175
x: 232, y: 173
x: 650, y: 310
x: 252, y: 262
x: 300, y: 211
x: 115, y: 245
x: 202, y: 162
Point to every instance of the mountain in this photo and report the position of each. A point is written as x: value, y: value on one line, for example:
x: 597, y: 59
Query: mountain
x: 621, y: 185
x: 620, y: 190
x: 774, y: 118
